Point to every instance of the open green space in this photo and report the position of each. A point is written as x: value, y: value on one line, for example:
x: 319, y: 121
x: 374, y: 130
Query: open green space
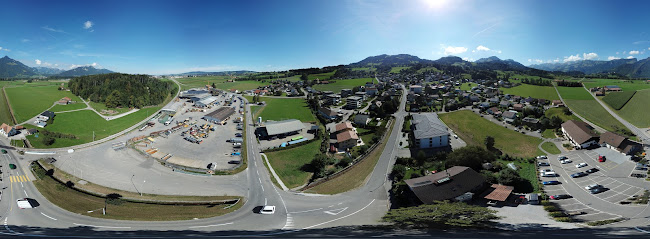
x: 321, y: 76
x: 473, y: 129
x: 431, y: 69
x: 81, y: 203
x: 84, y: 123
x: 595, y: 113
x: 371, y: 69
x: 626, y: 85
x: 574, y: 93
x: 551, y: 148
x: 637, y: 110
x: 535, y: 91
x: 337, y: 85
x: 5, y: 114
x: 75, y: 106
x: 559, y: 112
x: 397, y: 69
x: 467, y: 86
x: 28, y: 101
x: 549, y: 134
x: 282, y: 109
x: 292, y: 165
x: 618, y: 99
x: 100, y: 107
x: 220, y: 82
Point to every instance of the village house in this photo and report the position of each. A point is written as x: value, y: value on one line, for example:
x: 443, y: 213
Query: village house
x: 580, y: 134
x: 619, y: 143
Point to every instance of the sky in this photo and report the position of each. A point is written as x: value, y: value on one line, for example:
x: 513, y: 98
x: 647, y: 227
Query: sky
x: 164, y: 37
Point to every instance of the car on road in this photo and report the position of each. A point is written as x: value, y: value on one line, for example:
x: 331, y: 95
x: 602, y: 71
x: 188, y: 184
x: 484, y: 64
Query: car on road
x: 542, y: 157
x: 543, y: 164
x: 566, y: 161
x: 592, y: 186
x: 455, y: 136
x: 560, y: 196
x: 578, y: 174
x: 560, y: 158
x: 4, y: 151
x: 601, y: 158
x: 597, y: 190
x: 581, y: 165
x: 24, y: 203
x: 637, y: 175
x: 592, y: 170
x: 12, y: 166
x: 268, y: 210
x: 551, y: 182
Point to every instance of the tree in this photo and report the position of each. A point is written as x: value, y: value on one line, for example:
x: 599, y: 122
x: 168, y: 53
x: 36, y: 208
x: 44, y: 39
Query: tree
x: 489, y: 142
x: 319, y: 163
x: 213, y: 85
x: 470, y: 156
x: 441, y: 215
x: 399, y: 171
x: 508, y: 177
x: 304, y: 78
x: 566, y: 111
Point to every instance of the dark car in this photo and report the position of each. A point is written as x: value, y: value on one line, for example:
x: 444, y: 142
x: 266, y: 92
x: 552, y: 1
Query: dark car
x: 238, y: 135
x: 551, y: 182
x: 560, y: 196
x: 578, y: 174
x: 637, y: 175
x: 592, y: 170
x: 597, y: 190
x: 234, y: 162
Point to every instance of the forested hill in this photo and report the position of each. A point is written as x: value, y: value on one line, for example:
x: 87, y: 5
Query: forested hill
x: 122, y: 90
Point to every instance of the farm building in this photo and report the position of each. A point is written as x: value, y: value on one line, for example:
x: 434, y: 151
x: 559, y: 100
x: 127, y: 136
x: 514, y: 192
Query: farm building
x: 619, y: 143
x: 579, y: 133
x: 279, y: 129
x: 450, y: 184
x: 192, y: 93
x: 46, y: 115
x: 220, y: 115
x: 429, y: 131
x: 612, y: 88
x: 64, y: 101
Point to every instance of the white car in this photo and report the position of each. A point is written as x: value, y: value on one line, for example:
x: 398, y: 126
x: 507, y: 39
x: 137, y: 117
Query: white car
x: 545, y: 170
x: 590, y: 187
x: 542, y: 157
x: 268, y: 210
x: 455, y: 136
x: 23, y: 203
x: 580, y: 165
x: 566, y: 161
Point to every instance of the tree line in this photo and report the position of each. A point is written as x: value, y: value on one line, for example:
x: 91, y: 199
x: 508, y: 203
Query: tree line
x: 122, y: 90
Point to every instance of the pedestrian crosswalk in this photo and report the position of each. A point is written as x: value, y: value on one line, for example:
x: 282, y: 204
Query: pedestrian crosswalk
x: 20, y: 178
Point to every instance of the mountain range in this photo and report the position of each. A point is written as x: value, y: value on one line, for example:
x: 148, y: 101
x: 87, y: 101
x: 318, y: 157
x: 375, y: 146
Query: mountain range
x: 627, y: 67
x: 10, y: 68
x: 84, y: 71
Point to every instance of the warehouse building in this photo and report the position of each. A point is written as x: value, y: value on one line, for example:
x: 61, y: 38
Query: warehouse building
x: 204, y: 102
x: 220, y: 115
x: 279, y: 129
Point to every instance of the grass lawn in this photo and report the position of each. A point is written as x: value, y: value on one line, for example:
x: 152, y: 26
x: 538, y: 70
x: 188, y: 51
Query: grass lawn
x: 398, y: 69
x: 220, y: 82
x: 574, y: 93
x: 535, y: 91
x: 551, y: 148
x: 549, y: 134
x: 473, y: 129
x: 322, y: 76
x: 338, y: 85
x: 282, y: 109
x: 5, y: 115
x: 356, y: 176
x: 80, y: 203
x: 290, y: 164
x: 372, y: 69
x: 528, y: 171
x: 559, y: 112
x: 84, y: 122
x: 626, y: 85
x: 101, y: 106
x: 636, y: 111
x: 467, y: 86
x: 595, y: 113
x: 28, y: 101
x: 74, y: 106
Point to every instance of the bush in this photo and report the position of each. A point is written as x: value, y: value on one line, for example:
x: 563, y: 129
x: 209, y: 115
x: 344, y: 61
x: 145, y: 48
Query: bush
x: 551, y: 208
x: 563, y: 219
x: 557, y: 214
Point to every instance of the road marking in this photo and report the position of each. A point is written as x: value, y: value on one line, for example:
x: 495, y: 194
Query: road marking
x: 289, y: 223
x: 216, y: 225
x: 18, y: 178
x: 308, y: 210
x: 48, y: 216
x: 85, y: 225
x: 265, y: 201
x: 335, y: 211
x: 25, y: 193
x: 9, y: 229
x: 336, y: 219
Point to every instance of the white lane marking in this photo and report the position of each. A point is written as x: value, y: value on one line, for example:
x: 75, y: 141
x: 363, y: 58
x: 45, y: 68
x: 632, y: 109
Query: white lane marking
x: 85, y: 225
x: 21, y: 184
x: 289, y: 223
x: 265, y: 201
x: 9, y: 229
x: 260, y: 180
x: 216, y: 225
x: 25, y: 193
x: 48, y: 216
x: 258, y: 173
x: 308, y: 210
x: 335, y: 211
x: 322, y: 223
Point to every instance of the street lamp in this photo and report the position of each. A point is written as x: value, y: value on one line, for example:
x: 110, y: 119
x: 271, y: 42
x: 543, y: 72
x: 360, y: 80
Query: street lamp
x: 136, y: 188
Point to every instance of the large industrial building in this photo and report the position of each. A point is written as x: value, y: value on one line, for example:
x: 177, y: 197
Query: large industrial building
x: 220, y: 115
x: 279, y: 129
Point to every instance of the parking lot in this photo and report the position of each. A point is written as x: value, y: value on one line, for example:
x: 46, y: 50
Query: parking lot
x: 613, y: 175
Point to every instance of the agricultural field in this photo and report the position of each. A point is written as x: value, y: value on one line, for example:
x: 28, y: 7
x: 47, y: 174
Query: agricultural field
x: 75, y: 106
x: 535, y: 91
x: 583, y: 103
x: 83, y: 123
x: 29, y: 101
x: 467, y: 86
x: 371, y: 69
x: 626, y: 85
x: 574, y: 93
x: 431, y: 69
x: 220, y: 83
x: 559, y: 112
x: 398, y: 69
x: 5, y: 115
x: 291, y: 164
x: 618, y: 99
x: 519, y: 77
x: 473, y: 129
x: 282, y: 109
x: 338, y: 85
x: 321, y: 76
x: 636, y: 111
x: 99, y: 107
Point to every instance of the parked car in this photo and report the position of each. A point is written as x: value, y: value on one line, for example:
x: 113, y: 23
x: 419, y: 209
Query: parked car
x: 551, y: 182
x: 560, y: 158
x: 234, y: 162
x: 268, y: 210
x: 578, y: 174
x: 212, y: 166
x: 455, y: 136
x: 581, y: 165
x: 545, y: 170
x: 543, y: 164
x: 641, y: 168
x: 592, y: 186
x: 637, y: 175
x: 601, y: 158
x: 542, y: 157
x: 548, y: 174
x: 597, y: 190
x: 592, y: 170
x: 560, y: 196
x: 566, y: 161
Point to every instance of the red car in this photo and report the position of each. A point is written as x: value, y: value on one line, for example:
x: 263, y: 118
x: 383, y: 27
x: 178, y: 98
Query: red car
x: 601, y: 158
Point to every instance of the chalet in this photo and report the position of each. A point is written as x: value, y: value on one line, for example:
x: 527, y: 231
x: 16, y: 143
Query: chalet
x: 474, y: 98
x: 494, y: 111
x: 504, y: 104
x: 7, y: 131
x: 580, y: 134
x: 64, y: 101
x: 619, y: 143
x: 530, y: 122
x: 558, y: 103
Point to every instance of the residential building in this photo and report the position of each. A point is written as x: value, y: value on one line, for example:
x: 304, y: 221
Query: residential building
x: 353, y: 102
x: 530, y: 122
x: 7, y: 131
x: 347, y: 139
x: 279, y: 129
x: 580, y: 134
x: 504, y: 104
x: 417, y: 89
x: 64, y: 101
x: 332, y: 99
x: 619, y: 143
x: 429, y: 131
x: 371, y: 91
x: 509, y: 116
x: 362, y: 95
x: 494, y: 111
x: 45, y: 116
x: 346, y: 93
x: 340, y: 127
x: 327, y: 113
x: 361, y: 119
x: 450, y: 184
x: 612, y: 88
x: 518, y: 107
x: 557, y: 103
x: 220, y: 115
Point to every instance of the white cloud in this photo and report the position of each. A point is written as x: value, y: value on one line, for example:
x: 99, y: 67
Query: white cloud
x: 634, y: 52
x: 556, y: 60
x: 613, y: 58
x: 499, y: 51
x: 24, y: 40
x: 538, y: 61
x: 572, y: 58
x: 38, y: 62
x: 451, y: 50
x: 589, y: 56
x: 94, y: 64
x: 648, y: 48
x: 88, y: 24
x: 629, y: 57
x: 52, y: 29
x: 467, y: 59
x: 482, y: 48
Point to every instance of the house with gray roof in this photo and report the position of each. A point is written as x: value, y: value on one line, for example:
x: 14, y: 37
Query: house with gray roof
x: 429, y: 131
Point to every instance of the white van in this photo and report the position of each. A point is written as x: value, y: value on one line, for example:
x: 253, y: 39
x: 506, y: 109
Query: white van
x: 548, y: 174
x: 23, y: 203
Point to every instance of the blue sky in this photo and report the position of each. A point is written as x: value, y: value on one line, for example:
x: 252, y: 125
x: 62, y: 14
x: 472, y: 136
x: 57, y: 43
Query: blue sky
x: 161, y: 37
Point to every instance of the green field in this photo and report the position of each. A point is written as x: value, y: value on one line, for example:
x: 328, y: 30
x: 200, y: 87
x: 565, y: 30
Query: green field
x: 5, y: 115
x: 549, y: 134
x: 220, y: 83
x: 338, y: 85
x: 431, y: 69
x: 371, y: 69
x: 397, y: 69
x: 473, y: 129
x: 626, y: 85
x: 535, y: 91
x: 574, y: 93
x: 618, y: 99
x: 559, y: 112
x: 75, y: 106
x: 583, y: 103
x: 84, y: 122
x: 637, y: 110
x: 282, y: 109
x: 289, y: 164
x: 322, y: 76
x: 551, y: 148
x: 101, y: 106
x: 28, y: 102
x: 467, y: 86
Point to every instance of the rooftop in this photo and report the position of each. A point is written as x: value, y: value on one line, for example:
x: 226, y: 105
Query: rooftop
x: 579, y: 131
x: 428, y: 125
x: 284, y: 126
x: 446, y: 184
x: 346, y: 135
